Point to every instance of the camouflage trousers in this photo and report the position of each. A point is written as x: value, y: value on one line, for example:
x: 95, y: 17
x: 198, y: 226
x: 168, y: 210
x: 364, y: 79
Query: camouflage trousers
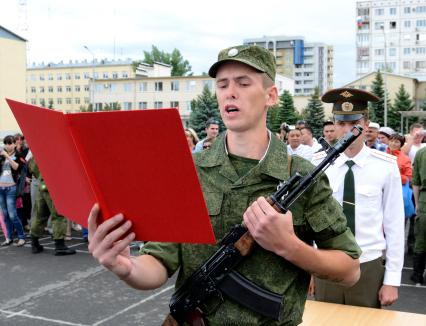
x: 45, y: 208
x: 420, y: 232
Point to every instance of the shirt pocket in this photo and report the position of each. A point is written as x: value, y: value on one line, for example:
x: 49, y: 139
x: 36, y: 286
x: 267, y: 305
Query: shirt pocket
x: 368, y: 194
x: 214, y: 202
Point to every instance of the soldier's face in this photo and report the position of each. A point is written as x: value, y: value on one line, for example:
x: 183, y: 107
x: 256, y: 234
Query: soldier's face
x: 243, y: 99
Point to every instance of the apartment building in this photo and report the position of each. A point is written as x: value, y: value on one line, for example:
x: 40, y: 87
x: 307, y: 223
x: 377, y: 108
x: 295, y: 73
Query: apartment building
x: 309, y: 64
x: 391, y: 36
x: 66, y: 86
x: 12, y: 77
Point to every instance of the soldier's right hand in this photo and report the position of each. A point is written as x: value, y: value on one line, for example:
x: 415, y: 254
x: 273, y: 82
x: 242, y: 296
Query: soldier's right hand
x: 108, y: 244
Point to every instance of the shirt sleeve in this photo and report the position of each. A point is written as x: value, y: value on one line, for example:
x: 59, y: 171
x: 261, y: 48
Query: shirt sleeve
x: 416, y: 175
x: 167, y: 253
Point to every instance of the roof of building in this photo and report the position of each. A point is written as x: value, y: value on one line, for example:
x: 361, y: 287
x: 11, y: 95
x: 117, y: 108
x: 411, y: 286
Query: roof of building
x: 383, y: 73
x: 5, y: 33
x: 84, y: 63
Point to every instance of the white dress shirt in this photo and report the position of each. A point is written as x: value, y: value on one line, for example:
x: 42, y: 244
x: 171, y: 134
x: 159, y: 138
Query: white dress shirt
x: 304, y: 151
x: 379, y: 208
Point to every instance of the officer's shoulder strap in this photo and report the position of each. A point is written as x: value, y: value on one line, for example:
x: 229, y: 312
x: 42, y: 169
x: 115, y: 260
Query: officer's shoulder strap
x: 384, y: 156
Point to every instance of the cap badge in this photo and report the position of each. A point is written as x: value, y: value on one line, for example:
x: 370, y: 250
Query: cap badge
x: 347, y: 106
x: 233, y: 52
x: 346, y: 94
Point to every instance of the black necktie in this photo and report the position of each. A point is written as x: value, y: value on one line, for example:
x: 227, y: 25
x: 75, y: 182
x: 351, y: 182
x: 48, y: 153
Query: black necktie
x: 349, y: 197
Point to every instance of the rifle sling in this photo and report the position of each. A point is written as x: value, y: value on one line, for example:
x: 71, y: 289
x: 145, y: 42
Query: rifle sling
x: 246, y: 293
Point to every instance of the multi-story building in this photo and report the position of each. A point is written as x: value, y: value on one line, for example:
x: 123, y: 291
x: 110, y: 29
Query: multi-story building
x: 66, y: 86
x: 12, y: 77
x: 309, y: 64
x: 391, y: 36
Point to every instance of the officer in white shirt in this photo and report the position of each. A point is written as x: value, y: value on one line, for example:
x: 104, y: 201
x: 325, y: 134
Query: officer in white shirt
x: 369, y: 188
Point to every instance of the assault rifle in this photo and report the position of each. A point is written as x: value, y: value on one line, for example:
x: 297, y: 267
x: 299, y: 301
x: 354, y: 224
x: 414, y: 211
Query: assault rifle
x: 216, y: 277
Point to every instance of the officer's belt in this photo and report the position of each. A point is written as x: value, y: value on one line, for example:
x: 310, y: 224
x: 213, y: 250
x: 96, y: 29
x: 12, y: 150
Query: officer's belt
x: 245, y: 292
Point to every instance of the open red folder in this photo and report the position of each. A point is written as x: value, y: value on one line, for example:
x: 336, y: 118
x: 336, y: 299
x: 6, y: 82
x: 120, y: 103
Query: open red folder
x: 133, y: 162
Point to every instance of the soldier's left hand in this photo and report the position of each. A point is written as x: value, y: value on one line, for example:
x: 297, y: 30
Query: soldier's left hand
x: 388, y: 294
x: 271, y: 230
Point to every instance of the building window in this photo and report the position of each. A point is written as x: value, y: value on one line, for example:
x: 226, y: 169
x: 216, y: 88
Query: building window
x: 86, y: 75
x: 67, y: 76
x: 379, y: 52
x: 174, y: 85
x: 77, y: 100
x: 50, y: 76
x: 86, y: 88
x: 406, y: 64
x: 127, y: 105
x: 42, y: 102
x: 86, y: 100
x: 363, y: 38
x: 392, y: 25
x: 407, y: 10
x: 68, y: 100
x: 143, y: 87
x: 158, y: 104
x: 420, y: 50
x: 77, y: 88
x: 41, y: 77
x: 158, y: 86
x: 59, y: 100
x: 379, y: 25
x: 392, y: 11
x: 420, y: 9
x: 208, y: 83
x: 190, y: 85
x: 33, y: 77
x: 127, y: 87
x: 105, y: 75
x: 142, y: 105
x: 41, y: 89
x: 379, y: 65
x: 124, y: 74
x: 96, y: 76
x: 421, y: 23
x: 420, y: 64
x: 33, y: 89
x: 68, y: 89
x: 407, y: 51
x: 76, y: 76
x: 50, y: 89
x: 379, y: 12
x: 392, y: 52
x: 407, y: 23
x: 174, y: 104
x: 114, y: 75
x: 33, y: 101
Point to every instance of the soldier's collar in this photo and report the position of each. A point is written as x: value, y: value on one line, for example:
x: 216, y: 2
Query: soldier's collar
x: 264, y: 155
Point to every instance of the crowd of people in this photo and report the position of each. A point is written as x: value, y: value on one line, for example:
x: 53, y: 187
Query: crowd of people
x: 25, y: 202
x: 343, y: 240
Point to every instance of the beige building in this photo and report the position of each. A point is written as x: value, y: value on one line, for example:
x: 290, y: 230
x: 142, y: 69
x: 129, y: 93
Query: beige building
x: 12, y: 77
x: 415, y: 88
x: 65, y: 86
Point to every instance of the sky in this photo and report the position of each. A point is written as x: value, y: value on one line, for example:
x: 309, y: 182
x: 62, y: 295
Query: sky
x: 58, y: 30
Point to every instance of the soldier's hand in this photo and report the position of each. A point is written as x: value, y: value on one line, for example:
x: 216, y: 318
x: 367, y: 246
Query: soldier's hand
x: 271, y: 230
x: 388, y: 294
x: 108, y: 244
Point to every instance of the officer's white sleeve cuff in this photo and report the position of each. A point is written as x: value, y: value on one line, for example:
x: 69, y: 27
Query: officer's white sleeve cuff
x: 392, y: 278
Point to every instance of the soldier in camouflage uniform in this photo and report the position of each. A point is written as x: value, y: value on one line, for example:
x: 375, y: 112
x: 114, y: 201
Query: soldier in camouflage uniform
x: 243, y: 165
x: 419, y: 191
x: 44, y: 209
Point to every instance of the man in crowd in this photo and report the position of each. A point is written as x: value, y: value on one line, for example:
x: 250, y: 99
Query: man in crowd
x: 329, y: 132
x: 384, y: 135
x: 419, y: 192
x: 308, y: 139
x: 368, y: 184
x: 212, y: 130
x: 371, y: 135
x: 414, y: 140
x: 243, y: 165
x: 284, y: 130
x: 295, y: 146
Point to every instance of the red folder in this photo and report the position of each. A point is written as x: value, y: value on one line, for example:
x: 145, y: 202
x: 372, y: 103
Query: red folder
x: 133, y: 162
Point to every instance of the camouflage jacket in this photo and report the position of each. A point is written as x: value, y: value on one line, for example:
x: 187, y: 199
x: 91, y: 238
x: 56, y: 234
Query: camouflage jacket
x: 316, y: 215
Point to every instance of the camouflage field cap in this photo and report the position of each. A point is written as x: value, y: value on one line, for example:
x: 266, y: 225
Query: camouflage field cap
x: 350, y: 104
x: 254, y: 56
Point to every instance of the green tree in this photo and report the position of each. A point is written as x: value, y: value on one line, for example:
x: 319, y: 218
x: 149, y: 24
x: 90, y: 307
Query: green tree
x: 180, y: 66
x: 203, y: 108
x: 287, y: 112
x: 315, y: 113
x: 272, y: 121
x: 402, y: 102
x: 89, y: 108
x: 377, y: 110
x: 115, y: 106
x: 50, y: 106
x: 42, y: 103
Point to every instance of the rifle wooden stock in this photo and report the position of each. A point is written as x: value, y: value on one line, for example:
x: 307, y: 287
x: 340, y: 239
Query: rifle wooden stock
x: 195, y: 319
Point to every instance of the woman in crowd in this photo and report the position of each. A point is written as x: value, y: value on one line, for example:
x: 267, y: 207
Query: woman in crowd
x: 10, y: 163
x: 395, y: 143
x: 191, y: 137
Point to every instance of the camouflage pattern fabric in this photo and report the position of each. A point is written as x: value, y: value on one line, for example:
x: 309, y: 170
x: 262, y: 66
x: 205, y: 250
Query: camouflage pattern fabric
x: 419, y: 179
x: 317, y: 216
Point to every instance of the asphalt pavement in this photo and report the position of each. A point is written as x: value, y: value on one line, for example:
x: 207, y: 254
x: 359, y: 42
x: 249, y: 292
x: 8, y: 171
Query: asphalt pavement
x: 48, y: 290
